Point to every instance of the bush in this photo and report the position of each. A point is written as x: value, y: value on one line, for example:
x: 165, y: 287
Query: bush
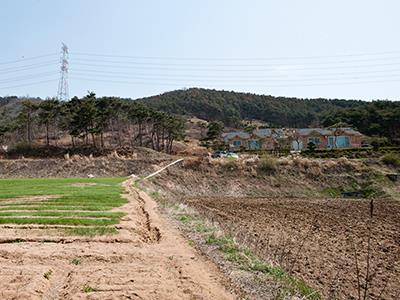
x: 349, y: 152
x: 391, y: 159
x: 267, y: 164
x: 230, y: 163
x: 21, y: 149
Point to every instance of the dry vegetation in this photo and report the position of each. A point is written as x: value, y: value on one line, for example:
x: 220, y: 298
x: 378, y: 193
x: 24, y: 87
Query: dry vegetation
x: 290, y: 212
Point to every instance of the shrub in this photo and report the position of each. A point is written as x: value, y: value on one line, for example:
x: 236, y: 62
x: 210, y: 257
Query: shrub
x: 194, y: 163
x: 230, y: 163
x: 267, y: 164
x: 311, y: 147
x: 22, y: 148
x: 391, y: 159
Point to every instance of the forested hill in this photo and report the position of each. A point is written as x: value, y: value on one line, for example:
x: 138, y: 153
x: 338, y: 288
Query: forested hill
x: 231, y: 107
x: 380, y: 118
x: 372, y: 118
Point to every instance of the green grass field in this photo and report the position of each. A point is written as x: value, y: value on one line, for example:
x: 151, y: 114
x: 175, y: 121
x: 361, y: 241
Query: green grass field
x: 81, y: 202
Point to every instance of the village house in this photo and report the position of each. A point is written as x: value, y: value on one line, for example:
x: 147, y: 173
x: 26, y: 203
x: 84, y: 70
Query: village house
x: 326, y: 138
x: 295, y: 138
x: 259, y: 139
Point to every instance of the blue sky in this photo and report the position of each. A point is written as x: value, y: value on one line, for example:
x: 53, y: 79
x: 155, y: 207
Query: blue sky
x: 309, y: 48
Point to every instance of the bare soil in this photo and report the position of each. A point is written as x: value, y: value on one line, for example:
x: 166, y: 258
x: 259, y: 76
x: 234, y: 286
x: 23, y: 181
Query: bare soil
x: 147, y: 260
x: 315, y: 239
x: 28, y: 199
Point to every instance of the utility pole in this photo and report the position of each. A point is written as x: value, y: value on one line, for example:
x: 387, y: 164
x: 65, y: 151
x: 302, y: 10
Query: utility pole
x: 63, y: 93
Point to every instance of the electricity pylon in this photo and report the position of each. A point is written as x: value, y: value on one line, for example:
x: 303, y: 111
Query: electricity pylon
x: 63, y: 93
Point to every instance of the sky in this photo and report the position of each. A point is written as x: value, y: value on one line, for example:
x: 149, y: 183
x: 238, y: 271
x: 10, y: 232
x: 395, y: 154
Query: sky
x: 130, y: 48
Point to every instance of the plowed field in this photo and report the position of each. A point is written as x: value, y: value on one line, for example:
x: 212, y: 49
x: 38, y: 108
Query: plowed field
x: 320, y: 241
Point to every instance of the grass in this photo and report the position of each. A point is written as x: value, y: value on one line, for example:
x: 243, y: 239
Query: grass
x: 59, y: 221
x: 90, y: 231
x: 113, y: 215
x: 47, y: 274
x: 155, y: 195
x: 250, y: 262
x: 267, y: 164
x: 76, y: 261
x: 184, y: 218
x: 392, y: 159
x: 332, y: 192
x: 12, y: 188
x: 88, y: 289
x: 76, y: 202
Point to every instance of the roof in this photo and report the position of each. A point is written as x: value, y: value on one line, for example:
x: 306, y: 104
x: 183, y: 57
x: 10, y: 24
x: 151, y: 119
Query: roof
x: 348, y: 130
x: 268, y: 132
x: 308, y: 131
x: 230, y: 135
x: 262, y: 132
x: 327, y: 131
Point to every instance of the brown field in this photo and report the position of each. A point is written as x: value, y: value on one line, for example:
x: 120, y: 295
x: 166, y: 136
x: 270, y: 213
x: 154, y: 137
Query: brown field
x: 318, y: 240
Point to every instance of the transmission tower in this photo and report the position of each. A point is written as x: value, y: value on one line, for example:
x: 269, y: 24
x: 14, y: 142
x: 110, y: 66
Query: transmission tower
x: 63, y: 93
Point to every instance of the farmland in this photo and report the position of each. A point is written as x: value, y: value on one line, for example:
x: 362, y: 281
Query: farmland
x: 85, y: 238
x: 281, y: 231
x: 316, y: 240
x: 66, y: 206
x: 294, y: 218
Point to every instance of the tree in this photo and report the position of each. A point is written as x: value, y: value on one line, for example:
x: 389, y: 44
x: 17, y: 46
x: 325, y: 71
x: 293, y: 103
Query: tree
x: 82, y: 117
x: 311, y: 147
x: 175, y: 128
x: 26, y: 118
x: 139, y: 114
x: 101, y: 120
x: 48, y: 112
x: 4, y: 129
x: 214, y: 130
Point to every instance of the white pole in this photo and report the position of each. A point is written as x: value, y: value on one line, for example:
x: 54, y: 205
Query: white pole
x: 162, y: 169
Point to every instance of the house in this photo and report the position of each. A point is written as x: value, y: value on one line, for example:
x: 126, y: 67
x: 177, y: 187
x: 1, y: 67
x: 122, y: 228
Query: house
x: 294, y: 138
x: 257, y: 140
x: 236, y: 140
x: 326, y: 138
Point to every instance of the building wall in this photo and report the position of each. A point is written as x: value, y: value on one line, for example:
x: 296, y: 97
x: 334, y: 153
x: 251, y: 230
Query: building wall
x: 268, y: 143
x: 354, y: 140
x: 243, y: 144
x: 322, y: 145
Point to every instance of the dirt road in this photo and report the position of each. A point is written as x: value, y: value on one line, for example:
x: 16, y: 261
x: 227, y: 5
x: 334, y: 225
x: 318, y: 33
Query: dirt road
x: 148, y: 260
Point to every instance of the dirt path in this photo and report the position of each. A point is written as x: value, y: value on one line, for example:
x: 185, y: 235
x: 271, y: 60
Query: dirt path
x: 153, y: 262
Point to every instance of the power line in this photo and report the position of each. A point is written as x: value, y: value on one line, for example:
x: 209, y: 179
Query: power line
x: 274, y: 79
x: 243, y: 76
x: 27, y: 58
x: 288, y: 68
x: 237, y: 59
x: 230, y: 65
x: 28, y: 84
x: 27, y: 77
x: 350, y: 71
x: 265, y: 86
x: 27, y: 67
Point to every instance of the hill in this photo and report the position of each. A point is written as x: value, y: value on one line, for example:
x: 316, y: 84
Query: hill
x: 379, y: 118
x: 10, y: 106
x: 376, y: 118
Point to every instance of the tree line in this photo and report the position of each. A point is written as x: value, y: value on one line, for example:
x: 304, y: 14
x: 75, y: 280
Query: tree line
x: 90, y: 121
